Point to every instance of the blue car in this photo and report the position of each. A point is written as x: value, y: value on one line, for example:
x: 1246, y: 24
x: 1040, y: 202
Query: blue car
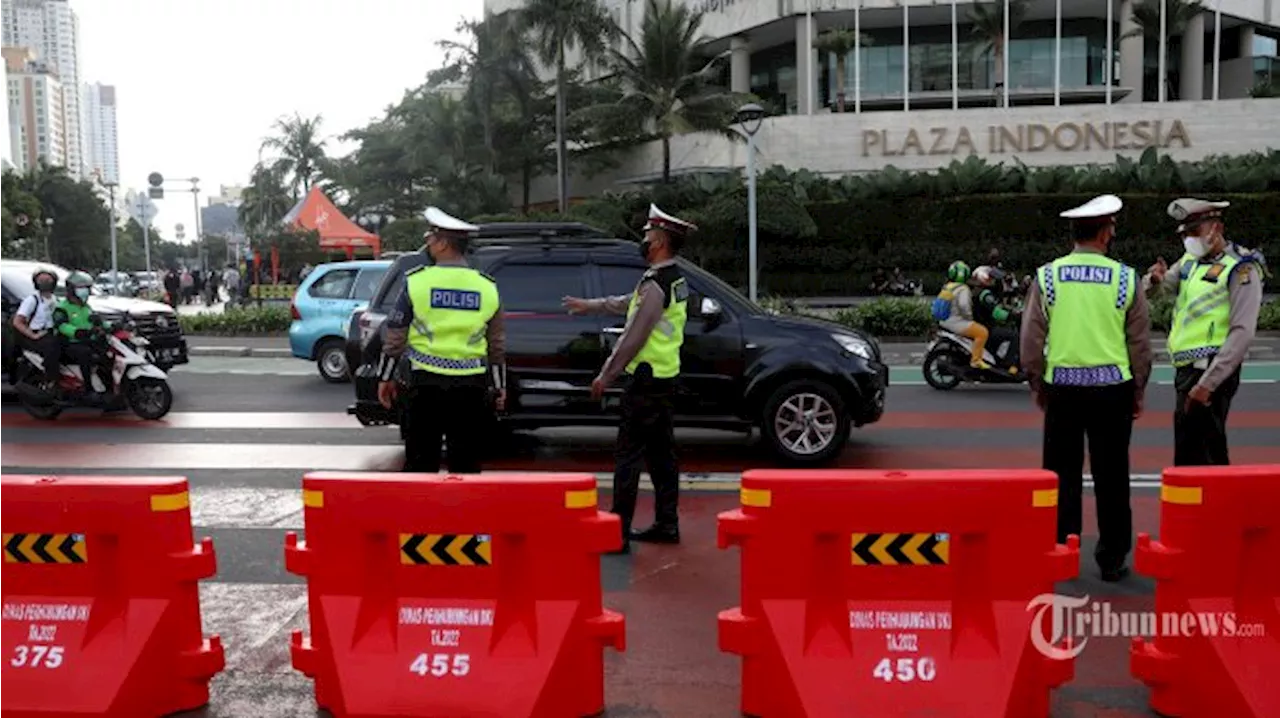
x: 324, y: 301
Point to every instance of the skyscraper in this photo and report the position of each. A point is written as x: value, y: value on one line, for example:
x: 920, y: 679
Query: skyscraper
x: 101, y: 154
x: 37, y: 128
x: 52, y: 30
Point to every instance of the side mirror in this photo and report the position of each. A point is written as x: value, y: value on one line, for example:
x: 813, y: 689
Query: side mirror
x: 709, y: 308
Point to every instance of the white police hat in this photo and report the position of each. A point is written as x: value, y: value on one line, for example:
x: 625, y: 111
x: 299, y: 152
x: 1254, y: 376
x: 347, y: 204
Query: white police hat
x: 1096, y: 208
x: 440, y: 220
x: 1191, y: 211
x: 661, y: 220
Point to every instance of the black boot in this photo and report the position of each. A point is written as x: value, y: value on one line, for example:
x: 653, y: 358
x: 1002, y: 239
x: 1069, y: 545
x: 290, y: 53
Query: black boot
x: 657, y: 534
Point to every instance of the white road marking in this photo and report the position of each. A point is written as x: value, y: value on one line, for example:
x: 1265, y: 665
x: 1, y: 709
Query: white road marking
x: 239, y: 507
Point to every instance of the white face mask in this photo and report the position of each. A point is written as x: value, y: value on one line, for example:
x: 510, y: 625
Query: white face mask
x: 1195, y: 246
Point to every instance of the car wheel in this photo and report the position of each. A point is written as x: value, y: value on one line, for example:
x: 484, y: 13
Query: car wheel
x: 805, y: 422
x: 331, y: 360
x: 939, y: 369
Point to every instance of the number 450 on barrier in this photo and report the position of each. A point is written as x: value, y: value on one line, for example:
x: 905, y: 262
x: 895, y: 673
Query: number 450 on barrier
x: 440, y: 664
x: 908, y: 669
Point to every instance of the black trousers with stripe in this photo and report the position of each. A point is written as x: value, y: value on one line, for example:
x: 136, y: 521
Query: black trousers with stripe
x: 1103, y: 414
x: 647, y: 436
x: 449, y: 407
x: 1200, y: 432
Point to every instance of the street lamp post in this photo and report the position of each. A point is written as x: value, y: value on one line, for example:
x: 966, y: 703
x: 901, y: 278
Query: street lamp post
x: 751, y: 116
x: 48, y: 230
x: 115, y: 257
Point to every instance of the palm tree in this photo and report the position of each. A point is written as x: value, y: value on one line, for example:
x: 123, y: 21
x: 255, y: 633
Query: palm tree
x: 558, y: 26
x: 664, y: 80
x: 299, y: 149
x: 988, y: 33
x: 494, y: 60
x: 266, y: 200
x: 840, y: 42
x: 1178, y: 14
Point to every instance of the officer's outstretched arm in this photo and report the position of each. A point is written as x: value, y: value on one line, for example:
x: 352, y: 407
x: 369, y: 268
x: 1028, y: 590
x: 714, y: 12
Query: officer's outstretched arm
x: 395, y: 336
x: 637, y: 332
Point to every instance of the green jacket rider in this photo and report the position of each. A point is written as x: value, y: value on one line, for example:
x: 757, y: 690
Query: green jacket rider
x: 76, y: 324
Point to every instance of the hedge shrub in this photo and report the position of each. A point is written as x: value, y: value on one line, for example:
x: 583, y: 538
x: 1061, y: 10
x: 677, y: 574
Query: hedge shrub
x: 238, y: 321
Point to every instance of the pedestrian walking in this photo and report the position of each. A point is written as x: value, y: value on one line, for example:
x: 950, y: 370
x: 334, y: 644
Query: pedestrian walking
x: 1090, y: 313
x: 648, y: 356
x: 1218, y: 286
x: 448, y: 322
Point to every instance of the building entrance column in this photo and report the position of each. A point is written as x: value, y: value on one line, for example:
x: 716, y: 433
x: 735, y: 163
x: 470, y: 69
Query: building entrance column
x: 806, y: 64
x: 739, y: 65
x: 1191, y: 82
x: 1131, y: 54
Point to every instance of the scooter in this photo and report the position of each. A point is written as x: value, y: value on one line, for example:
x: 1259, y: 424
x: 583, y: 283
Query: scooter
x: 142, y: 386
x: 946, y: 361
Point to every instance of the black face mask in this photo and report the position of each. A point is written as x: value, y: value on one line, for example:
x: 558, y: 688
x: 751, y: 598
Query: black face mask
x: 645, y: 246
x: 45, y: 285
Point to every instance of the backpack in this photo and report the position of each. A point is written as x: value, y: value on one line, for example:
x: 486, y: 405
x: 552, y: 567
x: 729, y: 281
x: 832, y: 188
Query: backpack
x: 941, y: 307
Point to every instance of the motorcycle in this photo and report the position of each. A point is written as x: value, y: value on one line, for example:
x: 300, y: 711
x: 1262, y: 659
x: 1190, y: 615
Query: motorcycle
x: 138, y: 383
x: 946, y: 361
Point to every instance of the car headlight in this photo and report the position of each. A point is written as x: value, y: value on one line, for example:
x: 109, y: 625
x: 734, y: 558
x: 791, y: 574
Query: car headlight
x: 855, y: 345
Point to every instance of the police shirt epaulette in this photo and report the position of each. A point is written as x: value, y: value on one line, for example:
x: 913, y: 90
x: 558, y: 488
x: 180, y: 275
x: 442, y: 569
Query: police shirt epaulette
x: 418, y: 268
x: 487, y: 276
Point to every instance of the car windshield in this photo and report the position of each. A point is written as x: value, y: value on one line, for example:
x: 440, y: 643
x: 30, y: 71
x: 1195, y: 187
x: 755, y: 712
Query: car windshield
x: 21, y: 285
x: 724, y: 289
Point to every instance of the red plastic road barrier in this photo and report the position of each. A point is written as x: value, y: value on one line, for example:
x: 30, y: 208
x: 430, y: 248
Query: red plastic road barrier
x: 1216, y: 649
x: 905, y: 593
x: 455, y: 596
x: 101, y: 609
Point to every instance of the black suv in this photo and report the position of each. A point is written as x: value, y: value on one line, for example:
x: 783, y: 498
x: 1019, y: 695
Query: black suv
x: 803, y: 382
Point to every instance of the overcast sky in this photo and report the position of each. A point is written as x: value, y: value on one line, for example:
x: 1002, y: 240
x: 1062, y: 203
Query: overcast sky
x: 199, y: 83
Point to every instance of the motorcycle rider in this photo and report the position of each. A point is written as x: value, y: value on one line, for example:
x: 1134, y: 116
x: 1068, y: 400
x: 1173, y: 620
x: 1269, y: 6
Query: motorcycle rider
x: 79, y: 328
x: 953, y: 309
x: 989, y: 311
x: 34, y: 322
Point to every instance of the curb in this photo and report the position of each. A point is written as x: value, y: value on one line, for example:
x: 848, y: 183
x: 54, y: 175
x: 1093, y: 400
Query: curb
x: 243, y: 352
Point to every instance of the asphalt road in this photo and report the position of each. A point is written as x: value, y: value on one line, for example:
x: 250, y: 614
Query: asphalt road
x: 244, y: 430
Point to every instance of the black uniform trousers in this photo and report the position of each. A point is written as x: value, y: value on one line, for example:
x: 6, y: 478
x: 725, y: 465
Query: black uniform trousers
x: 1200, y: 434
x: 1105, y: 415
x: 453, y: 407
x: 89, y: 356
x: 646, y: 436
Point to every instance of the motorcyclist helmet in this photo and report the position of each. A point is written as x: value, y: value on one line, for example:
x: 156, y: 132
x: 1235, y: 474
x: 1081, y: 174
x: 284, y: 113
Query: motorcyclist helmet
x: 78, y: 284
x: 44, y: 272
x: 987, y: 276
x: 958, y: 272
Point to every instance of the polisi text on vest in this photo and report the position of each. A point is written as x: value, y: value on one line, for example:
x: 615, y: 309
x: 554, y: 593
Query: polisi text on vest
x: 1084, y: 273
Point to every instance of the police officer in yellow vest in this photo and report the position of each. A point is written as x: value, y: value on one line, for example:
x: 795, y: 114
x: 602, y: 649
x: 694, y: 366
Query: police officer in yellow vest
x: 1086, y: 349
x: 448, y: 323
x: 1219, y: 294
x: 648, y: 353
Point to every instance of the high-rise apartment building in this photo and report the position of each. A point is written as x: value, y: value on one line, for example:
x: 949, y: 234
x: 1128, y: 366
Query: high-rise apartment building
x: 52, y: 30
x: 101, y: 148
x: 37, y: 128
x: 6, y: 143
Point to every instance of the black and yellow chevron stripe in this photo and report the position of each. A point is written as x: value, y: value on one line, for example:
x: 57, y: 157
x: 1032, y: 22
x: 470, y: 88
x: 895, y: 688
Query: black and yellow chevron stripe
x: 901, y: 549
x: 445, y: 549
x: 44, y: 548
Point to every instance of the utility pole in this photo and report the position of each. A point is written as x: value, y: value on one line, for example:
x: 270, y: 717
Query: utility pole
x: 115, y: 256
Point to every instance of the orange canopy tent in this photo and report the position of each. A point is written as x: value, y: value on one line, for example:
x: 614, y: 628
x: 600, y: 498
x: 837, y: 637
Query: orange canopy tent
x: 337, y: 233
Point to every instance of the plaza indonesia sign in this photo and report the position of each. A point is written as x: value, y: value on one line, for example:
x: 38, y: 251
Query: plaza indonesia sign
x: 1025, y: 138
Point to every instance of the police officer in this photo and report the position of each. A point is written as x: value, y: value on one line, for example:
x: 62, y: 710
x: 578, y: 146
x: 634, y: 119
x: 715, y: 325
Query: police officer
x: 1219, y: 290
x: 648, y: 353
x: 1088, y: 311
x: 448, y: 322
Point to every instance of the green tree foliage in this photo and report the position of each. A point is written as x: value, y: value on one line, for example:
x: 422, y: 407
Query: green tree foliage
x: 988, y: 32
x: 299, y: 152
x: 841, y: 41
x: 79, y: 233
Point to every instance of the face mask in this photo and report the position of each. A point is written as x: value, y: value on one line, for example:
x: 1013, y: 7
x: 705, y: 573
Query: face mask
x: 1195, y: 246
x: 645, y: 245
x: 45, y: 286
x: 82, y: 293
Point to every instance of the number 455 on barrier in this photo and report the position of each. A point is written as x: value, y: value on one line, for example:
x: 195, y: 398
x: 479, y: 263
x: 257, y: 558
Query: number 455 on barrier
x: 908, y: 669
x: 459, y: 664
